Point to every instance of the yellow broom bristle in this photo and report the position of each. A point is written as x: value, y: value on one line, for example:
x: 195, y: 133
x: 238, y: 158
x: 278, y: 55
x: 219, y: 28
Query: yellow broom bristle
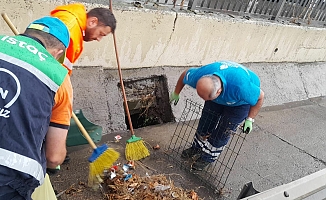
x: 104, y: 161
x: 91, y: 176
x: 136, y: 150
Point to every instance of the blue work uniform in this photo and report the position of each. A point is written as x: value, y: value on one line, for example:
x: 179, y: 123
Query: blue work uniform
x: 221, y: 116
x: 29, y: 80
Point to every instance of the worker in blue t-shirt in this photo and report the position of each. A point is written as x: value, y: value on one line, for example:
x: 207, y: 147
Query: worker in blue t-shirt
x: 232, y: 94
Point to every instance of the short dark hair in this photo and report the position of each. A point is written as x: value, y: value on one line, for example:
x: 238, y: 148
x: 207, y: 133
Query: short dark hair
x: 49, y: 41
x: 105, y: 17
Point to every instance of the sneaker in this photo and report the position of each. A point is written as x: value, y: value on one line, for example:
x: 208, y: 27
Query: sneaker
x: 188, y: 153
x: 200, y: 164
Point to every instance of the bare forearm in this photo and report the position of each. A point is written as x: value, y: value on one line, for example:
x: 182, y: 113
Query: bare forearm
x: 55, y: 146
x: 180, y: 83
x: 53, y: 163
x: 254, y: 110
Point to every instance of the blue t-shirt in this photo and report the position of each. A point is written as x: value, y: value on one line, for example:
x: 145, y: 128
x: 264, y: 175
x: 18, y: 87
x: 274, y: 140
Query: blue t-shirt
x: 241, y: 86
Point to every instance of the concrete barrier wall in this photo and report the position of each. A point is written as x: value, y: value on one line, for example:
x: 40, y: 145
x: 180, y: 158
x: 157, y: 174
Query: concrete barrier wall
x: 161, y: 37
x: 96, y: 89
x: 291, y: 60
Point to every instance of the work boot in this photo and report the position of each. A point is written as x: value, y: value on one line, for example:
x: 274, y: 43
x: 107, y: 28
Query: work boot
x: 188, y: 153
x: 200, y: 164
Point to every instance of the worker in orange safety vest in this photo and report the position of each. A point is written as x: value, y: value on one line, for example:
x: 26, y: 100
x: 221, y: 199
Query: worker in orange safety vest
x: 83, y: 26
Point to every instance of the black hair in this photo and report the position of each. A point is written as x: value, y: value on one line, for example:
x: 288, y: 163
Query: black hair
x: 105, y: 17
x: 49, y: 41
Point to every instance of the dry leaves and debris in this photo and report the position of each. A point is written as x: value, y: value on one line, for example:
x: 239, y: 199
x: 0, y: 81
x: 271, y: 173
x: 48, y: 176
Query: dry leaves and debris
x: 147, y: 188
x: 72, y: 190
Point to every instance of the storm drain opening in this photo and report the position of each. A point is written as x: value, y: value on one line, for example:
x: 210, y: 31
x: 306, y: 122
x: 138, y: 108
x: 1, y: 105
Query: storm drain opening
x: 148, y: 101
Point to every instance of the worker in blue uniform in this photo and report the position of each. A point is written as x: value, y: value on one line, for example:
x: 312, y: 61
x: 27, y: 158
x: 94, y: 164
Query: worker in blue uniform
x: 232, y: 95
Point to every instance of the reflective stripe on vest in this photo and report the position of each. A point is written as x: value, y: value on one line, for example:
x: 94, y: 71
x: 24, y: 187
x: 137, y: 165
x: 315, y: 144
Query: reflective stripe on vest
x: 40, y: 75
x: 22, y: 163
x: 67, y: 63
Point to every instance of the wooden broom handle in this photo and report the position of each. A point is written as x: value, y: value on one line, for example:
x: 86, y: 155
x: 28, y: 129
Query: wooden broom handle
x: 84, y: 132
x: 80, y: 126
x: 10, y: 24
x: 121, y: 80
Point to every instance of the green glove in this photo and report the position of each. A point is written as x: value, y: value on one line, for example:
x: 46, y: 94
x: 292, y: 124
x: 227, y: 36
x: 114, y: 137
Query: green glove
x: 174, y: 97
x: 247, y: 127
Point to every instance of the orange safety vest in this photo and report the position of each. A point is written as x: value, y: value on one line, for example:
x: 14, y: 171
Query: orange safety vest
x: 75, y: 17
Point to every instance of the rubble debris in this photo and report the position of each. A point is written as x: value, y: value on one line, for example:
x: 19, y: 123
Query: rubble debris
x: 117, y: 138
x: 155, y: 187
x: 156, y: 147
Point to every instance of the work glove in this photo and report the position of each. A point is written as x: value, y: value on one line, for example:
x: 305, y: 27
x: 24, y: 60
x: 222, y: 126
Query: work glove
x: 247, y: 126
x: 174, y: 97
x: 53, y: 171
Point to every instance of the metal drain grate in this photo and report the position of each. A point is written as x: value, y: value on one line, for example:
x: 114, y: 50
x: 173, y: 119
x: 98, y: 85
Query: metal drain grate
x: 216, y: 174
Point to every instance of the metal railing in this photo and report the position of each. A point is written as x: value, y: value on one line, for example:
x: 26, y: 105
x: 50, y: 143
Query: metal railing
x: 309, y: 12
x: 296, y: 11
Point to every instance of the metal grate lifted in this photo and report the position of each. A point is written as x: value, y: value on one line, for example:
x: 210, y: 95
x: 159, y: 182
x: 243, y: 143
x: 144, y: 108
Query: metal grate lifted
x: 216, y: 174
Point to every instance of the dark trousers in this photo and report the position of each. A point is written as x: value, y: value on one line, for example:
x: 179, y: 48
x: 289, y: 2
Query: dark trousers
x: 215, y: 126
x: 15, y: 185
x: 8, y: 193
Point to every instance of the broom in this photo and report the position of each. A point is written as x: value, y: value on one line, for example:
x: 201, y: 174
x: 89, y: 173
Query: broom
x: 102, y: 157
x: 135, y: 148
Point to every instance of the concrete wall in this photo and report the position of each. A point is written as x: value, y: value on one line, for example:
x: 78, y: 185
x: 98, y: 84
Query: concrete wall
x: 161, y: 37
x: 291, y: 60
x: 96, y: 89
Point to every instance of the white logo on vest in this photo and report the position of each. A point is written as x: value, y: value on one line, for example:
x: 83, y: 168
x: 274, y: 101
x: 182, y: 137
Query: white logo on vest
x: 4, y: 112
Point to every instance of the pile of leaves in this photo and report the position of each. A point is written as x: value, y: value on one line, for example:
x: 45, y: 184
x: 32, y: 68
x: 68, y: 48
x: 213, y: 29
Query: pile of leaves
x: 155, y: 187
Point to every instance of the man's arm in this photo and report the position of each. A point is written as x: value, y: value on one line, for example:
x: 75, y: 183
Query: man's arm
x: 55, y: 146
x: 180, y: 83
x: 253, y: 112
x: 55, y: 141
x: 174, y: 97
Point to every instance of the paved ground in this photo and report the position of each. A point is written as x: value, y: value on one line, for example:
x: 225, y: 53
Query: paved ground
x: 288, y: 142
